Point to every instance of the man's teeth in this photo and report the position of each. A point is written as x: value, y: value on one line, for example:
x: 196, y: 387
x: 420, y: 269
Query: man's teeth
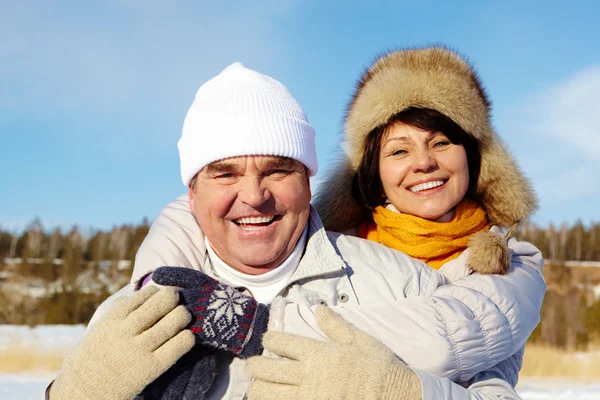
x: 251, y: 228
x: 426, y: 185
x: 254, y: 220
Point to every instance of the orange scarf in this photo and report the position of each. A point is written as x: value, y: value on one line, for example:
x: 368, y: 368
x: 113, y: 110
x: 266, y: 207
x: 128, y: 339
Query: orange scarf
x: 434, y: 243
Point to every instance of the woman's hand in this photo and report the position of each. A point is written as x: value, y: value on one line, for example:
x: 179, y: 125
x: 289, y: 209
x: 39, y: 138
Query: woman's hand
x: 352, y: 366
x: 138, y: 339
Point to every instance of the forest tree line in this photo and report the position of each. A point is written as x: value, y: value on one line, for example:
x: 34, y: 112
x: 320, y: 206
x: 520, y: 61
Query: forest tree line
x: 50, y: 276
x: 61, y: 277
x: 576, y: 242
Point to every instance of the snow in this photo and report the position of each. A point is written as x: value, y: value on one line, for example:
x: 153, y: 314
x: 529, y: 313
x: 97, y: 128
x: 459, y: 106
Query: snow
x: 25, y: 387
x: 596, y: 290
x: 64, y: 337
x: 43, y: 337
x: 543, y: 389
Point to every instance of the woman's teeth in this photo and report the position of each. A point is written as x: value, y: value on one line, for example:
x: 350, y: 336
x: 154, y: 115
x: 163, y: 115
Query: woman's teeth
x: 427, y: 185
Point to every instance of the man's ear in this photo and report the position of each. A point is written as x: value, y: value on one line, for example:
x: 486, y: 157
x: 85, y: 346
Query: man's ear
x: 191, y: 196
x: 308, y: 180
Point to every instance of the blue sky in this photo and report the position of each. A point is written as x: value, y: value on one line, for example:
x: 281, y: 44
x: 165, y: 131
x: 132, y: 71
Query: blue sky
x: 93, y: 94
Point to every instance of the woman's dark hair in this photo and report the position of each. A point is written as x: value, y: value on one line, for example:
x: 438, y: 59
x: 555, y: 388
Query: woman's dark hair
x: 367, y: 187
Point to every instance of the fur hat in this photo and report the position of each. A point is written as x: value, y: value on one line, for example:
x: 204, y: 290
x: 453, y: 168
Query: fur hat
x: 439, y: 79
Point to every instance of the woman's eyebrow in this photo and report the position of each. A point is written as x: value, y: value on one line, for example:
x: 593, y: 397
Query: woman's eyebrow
x: 397, y: 138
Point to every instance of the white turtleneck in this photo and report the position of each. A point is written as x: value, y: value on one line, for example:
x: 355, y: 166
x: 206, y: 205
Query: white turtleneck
x: 266, y: 286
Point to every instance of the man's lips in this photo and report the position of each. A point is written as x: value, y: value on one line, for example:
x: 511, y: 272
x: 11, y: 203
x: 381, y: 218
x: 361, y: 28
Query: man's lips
x: 256, y: 222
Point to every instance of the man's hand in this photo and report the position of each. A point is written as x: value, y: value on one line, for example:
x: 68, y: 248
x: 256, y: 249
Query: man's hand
x: 138, y: 339
x: 223, y: 318
x: 353, y: 365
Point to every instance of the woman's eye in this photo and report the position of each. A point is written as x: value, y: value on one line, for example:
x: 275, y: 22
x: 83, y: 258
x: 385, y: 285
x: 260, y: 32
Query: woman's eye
x: 399, y: 152
x: 442, y: 143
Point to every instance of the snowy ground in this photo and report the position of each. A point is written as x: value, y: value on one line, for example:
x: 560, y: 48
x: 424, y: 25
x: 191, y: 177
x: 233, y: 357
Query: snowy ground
x: 27, y: 386
x: 24, y: 386
x: 55, y: 338
x: 534, y: 389
x: 48, y: 337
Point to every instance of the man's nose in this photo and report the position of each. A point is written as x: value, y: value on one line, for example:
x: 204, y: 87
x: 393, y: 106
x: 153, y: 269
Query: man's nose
x: 253, y: 192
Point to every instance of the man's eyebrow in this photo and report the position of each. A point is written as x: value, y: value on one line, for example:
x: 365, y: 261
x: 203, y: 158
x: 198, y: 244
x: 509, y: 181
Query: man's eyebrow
x: 282, y: 162
x: 224, y: 166
x: 220, y: 167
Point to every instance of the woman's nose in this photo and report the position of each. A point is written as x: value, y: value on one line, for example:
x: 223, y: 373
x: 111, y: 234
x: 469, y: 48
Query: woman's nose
x: 424, y: 162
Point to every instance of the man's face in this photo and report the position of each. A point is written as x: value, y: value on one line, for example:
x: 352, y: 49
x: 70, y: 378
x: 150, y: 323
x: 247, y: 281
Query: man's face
x: 252, y: 209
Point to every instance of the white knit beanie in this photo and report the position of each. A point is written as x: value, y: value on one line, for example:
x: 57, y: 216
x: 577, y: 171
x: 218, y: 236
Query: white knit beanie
x: 242, y: 112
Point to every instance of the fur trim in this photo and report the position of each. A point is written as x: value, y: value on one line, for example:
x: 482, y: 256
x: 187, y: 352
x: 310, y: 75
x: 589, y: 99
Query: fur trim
x: 439, y: 79
x: 489, y: 253
x: 335, y: 196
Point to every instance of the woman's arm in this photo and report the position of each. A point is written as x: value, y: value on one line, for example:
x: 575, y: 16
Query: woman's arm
x: 174, y: 239
x: 493, y: 384
x: 454, y: 330
x: 355, y: 365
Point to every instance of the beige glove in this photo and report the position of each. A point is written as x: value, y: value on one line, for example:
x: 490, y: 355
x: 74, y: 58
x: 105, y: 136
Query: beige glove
x: 137, y: 340
x: 353, y: 365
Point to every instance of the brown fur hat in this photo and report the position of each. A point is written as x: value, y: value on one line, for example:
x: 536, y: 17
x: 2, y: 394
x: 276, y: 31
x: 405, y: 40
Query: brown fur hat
x: 439, y: 79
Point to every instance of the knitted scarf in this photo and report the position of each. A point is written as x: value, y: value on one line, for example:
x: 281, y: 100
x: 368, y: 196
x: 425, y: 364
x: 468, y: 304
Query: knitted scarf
x: 434, y: 243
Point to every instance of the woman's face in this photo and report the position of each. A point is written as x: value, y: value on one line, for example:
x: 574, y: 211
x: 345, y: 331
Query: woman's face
x: 423, y: 173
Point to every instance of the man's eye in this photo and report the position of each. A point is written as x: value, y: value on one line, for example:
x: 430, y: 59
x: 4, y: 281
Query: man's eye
x: 225, y: 176
x: 277, y: 172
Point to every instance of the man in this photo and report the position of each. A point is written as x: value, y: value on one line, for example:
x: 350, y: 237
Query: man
x: 247, y: 153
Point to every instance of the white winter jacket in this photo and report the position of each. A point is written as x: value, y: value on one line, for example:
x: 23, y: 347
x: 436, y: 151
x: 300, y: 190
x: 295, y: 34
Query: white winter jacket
x: 451, y: 330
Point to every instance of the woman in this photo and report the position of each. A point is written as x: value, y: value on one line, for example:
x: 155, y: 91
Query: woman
x: 481, y: 172
x: 422, y: 117
x: 425, y: 174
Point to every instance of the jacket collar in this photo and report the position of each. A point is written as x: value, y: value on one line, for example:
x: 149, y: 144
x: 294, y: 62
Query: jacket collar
x: 320, y: 256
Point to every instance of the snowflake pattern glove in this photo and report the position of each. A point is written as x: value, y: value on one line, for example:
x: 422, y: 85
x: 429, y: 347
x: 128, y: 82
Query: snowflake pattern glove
x: 222, y: 317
